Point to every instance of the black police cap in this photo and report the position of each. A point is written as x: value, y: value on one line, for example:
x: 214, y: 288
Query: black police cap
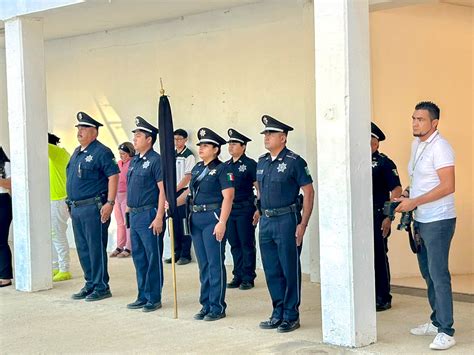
x: 144, y: 126
x: 236, y: 137
x: 53, y: 139
x: 376, y: 132
x: 206, y: 135
x: 181, y: 132
x: 273, y: 125
x: 87, y: 121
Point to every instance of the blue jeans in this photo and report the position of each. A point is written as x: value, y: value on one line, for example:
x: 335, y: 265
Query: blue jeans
x: 433, y: 261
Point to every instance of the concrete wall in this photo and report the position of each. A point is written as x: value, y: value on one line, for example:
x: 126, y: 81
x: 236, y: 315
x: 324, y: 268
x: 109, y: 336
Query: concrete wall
x: 425, y: 53
x: 221, y: 69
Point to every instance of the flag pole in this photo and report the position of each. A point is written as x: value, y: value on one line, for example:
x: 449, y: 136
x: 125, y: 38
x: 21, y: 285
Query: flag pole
x: 173, y: 261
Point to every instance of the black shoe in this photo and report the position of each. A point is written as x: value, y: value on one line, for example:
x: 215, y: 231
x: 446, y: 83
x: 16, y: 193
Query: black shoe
x: 183, y: 261
x: 272, y: 323
x: 380, y: 307
x: 150, y: 307
x: 288, y: 326
x: 214, y: 316
x: 97, y: 296
x: 136, y: 305
x: 246, y: 285
x: 168, y: 261
x: 83, y: 293
x: 235, y: 283
x: 201, y: 314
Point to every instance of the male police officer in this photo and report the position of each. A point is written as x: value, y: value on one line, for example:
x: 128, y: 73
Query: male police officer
x: 146, y: 204
x: 280, y: 175
x: 385, y: 186
x: 92, y: 179
x: 240, y: 229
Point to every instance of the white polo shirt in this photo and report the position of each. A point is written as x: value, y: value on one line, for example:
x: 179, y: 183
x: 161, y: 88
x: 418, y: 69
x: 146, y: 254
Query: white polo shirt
x: 426, y: 158
x: 7, y: 176
x: 185, y: 162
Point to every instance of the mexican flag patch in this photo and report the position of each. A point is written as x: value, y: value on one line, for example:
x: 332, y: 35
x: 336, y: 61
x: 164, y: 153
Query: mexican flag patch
x: 230, y: 177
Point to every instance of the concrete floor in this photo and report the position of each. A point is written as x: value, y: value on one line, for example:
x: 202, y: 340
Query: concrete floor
x: 50, y: 322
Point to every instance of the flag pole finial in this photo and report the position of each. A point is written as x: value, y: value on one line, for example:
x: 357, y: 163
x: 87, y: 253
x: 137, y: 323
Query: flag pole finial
x: 162, y: 91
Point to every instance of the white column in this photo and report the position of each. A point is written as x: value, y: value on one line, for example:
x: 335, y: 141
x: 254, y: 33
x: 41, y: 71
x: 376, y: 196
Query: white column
x: 28, y: 126
x: 344, y: 171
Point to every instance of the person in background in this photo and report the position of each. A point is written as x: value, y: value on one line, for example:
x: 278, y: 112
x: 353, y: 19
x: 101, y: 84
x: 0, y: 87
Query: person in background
x: 6, y: 269
x: 58, y: 160
x: 124, y: 246
x: 185, y: 162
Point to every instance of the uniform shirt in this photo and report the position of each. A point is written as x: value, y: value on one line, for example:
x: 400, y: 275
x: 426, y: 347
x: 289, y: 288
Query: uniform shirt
x: 58, y: 159
x: 244, y: 170
x: 185, y: 162
x: 122, y: 184
x: 384, y: 178
x: 143, y: 176
x: 8, y: 175
x: 209, y: 190
x: 279, y: 181
x: 427, y: 157
x: 89, y: 170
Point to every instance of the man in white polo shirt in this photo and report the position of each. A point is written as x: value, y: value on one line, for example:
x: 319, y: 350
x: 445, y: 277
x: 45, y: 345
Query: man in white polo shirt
x: 431, y: 195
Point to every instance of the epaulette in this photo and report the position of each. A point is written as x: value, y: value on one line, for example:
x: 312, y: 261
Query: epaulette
x: 292, y: 155
x: 383, y: 155
x: 264, y: 155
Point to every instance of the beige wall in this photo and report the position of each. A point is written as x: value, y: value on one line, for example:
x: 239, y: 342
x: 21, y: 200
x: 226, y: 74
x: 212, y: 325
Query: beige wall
x: 425, y: 53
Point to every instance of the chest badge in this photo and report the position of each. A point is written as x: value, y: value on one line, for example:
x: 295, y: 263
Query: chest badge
x: 213, y: 172
x: 146, y: 164
x: 281, y: 167
x: 242, y: 168
x: 374, y: 163
x: 89, y: 158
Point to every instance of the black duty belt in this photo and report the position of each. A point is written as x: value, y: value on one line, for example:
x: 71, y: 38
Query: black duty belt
x: 242, y: 204
x: 205, y: 208
x: 86, y: 202
x: 141, y: 209
x: 275, y: 212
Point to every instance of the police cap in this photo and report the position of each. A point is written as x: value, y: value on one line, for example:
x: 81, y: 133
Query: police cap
x: 273, y: 125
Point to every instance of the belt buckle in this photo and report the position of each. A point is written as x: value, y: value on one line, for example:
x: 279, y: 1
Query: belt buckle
x: 267, y: 213
x: 194, y: 209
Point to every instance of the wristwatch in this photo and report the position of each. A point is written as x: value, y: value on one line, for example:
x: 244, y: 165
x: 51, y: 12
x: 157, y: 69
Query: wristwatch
x: 111, y: 202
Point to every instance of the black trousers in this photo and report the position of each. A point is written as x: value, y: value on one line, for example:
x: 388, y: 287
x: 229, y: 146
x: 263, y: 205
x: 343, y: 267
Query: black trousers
x: 382, y: 267
x: 182, y: 242
x: 6, y: 271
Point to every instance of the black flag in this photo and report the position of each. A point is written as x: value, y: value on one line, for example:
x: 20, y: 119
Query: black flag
x: 168, y: 158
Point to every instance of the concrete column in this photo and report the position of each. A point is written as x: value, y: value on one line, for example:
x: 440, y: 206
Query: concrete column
x: 28, y: 126
x: 344, y: 171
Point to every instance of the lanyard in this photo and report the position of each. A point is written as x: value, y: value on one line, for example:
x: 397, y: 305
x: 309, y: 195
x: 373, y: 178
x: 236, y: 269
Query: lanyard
x: 417, y: 159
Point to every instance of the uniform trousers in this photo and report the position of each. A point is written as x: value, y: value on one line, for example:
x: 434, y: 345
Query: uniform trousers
x: 281, y: 264
x: 210, y: 255
x: 147, y: 255
x: 241, y: 236
x: 91, y: 236
x: 6, y: 270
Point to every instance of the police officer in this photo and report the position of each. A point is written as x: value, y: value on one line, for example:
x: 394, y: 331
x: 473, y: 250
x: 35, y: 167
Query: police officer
x: 280, y: 176
x: 212, y: 192
x: 240, y: 228
x: 92, y: 178
x: 146, y: 205
x: 385, y: 186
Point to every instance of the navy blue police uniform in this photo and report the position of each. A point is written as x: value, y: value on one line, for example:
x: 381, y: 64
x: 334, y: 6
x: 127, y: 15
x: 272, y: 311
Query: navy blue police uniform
x: 206, y: 186
x: 88, y: 173
x: 279, y: 181
x: 240, y: 230
x: 144, y: 174
x: 384, y: 179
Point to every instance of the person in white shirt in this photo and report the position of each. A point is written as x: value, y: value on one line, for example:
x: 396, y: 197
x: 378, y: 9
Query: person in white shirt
x: 431, y: 196
x: 185, y: 162
x: 6, y: 270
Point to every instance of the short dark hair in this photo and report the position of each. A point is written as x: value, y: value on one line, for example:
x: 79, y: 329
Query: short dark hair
x: 153, y: 137
x: 3, y: 156
x: 429, y: 106
x: 181, y: 132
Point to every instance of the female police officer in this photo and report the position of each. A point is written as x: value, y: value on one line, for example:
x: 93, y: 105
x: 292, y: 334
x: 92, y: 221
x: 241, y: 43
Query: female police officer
x: 211, y: 194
